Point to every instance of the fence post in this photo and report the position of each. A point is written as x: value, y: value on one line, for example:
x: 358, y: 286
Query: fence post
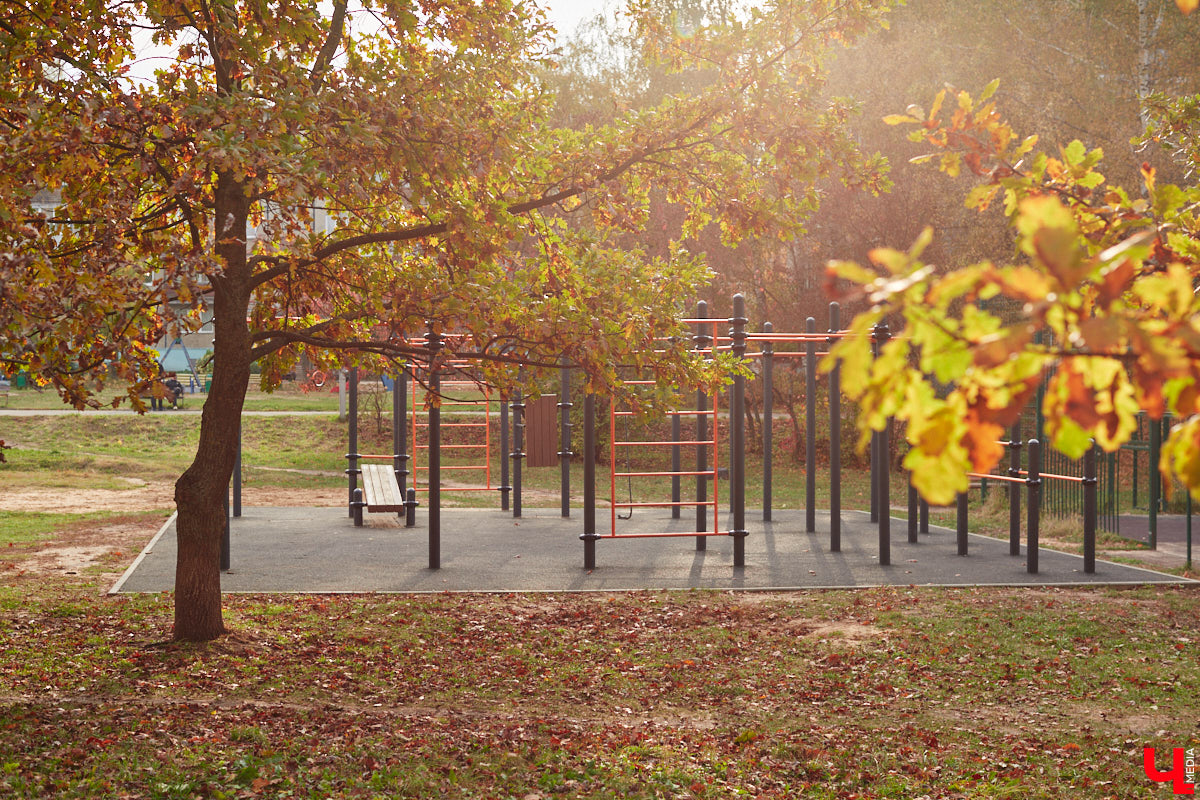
x: 400, y: 427
x: 518, y: 453
x: 810, y: 425
x: 352, y: 457
x: 961, y: 527
x: 702, y: 340
x: 435, y: 455
x: 589, y: 535
x: 1089, y: 508
x: 768, y: 419
x: 913, y: 512
x: 884, y: 485
x: 737, y: 434
x: 1155, y: 479
x: 1014, y: 490
x: 1034, y: 484
x: 237, y: 474
x: 835, y: 439
x: 505, y: 489
x: 564, y: 453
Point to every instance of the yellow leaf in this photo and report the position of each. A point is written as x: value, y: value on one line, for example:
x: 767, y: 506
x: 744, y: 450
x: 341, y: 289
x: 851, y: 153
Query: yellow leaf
x: 1187, y: 6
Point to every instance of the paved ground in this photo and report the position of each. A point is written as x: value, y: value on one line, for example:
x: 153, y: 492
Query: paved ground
x: 319, y: 550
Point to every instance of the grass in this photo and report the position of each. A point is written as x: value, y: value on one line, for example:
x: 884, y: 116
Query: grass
x: 881, y: 693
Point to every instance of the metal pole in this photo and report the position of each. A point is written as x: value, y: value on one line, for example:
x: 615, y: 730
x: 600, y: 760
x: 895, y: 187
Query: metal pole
x: 875, y: 452
x: 564, y: 453
x: 400, y: 414
x: 518, y: 453
x: 768, y: 418
x: 923, y: 526
x: 1034, y: 484
x: 504, y: 487
x: 352, y: 457
x: 913, y: 512
x: 237, y: 475
x: 810, y: 427
x: 883, y: 490
x: 961, y: 529
x: 589, y: 482
x: 737, y: 434
x: 676, y: 467
x: 225, y: 548
x: 1089, y: 509
x: 1155, y: 479
x: 1014, y: 490
x: 702, y: 340
x: 435, y: 456
x: 835, y: 440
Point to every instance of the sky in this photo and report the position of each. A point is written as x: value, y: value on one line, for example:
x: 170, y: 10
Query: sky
x: 567, y: 14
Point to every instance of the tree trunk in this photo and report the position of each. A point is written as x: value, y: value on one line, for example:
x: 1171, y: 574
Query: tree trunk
x: 201, y: 491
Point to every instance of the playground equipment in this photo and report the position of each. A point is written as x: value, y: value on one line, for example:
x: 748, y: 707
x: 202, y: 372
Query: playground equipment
x: 381, y: 491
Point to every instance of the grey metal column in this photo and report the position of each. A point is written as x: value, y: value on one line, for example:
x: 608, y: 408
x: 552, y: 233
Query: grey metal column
x: 564, y: 453
x: 884, y: 485
x: 810, y: 428
x: 835, y: 439
x: 961, y: 527
x: 518, y: 453
x: 1034, y: 485
x: 702, y: 340
x: 737, y: 434
x: 505, y: 489
x: 589, y: 482
x: 237, y: 475
x: 768, y: 417
x: 1155, y: 479
x: 435, y: 457
x: 352, y: 470
x: 1090, y: 485
x: 1014, y: 490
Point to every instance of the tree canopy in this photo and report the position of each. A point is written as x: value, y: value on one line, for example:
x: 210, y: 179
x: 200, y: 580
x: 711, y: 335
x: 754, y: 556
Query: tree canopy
x: 338, y: 181
x: 1100, y: 300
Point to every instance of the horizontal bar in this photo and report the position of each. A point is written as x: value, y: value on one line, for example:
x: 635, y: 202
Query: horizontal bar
x: 661, y: 535
x: 666, y: 504
x: 990, y: 477
x: 1071, y: 478
x: 681, y: 442
x: 707, y: 413
x: 663, y: 475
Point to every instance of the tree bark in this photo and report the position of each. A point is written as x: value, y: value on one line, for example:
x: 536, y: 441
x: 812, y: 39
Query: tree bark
x: 201, y: 491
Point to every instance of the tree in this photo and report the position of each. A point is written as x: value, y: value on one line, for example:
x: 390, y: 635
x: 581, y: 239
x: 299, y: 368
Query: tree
x: 338, y: 184
x: 1103, y: 287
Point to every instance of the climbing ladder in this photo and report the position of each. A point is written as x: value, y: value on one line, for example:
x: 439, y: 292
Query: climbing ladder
x: 466, y: 409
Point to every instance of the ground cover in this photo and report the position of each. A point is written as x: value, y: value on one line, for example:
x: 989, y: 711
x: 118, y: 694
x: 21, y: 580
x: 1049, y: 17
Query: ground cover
x: 905, y: 692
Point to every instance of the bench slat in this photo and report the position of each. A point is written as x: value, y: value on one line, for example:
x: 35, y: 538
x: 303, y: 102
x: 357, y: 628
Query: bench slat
x: 380, y: 490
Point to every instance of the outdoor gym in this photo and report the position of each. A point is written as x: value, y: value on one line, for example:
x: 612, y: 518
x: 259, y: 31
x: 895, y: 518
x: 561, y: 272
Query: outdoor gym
x: 690, y: 486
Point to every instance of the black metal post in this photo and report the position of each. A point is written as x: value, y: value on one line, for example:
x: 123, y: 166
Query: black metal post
x: 564, y: 453
x: 768, y: 419
x: 703, y: 340
x: 810, y: 427
x: 961, y: 528
x: 884, y: 487
x: 237, y: 475
x: 1014, y: 490
x: 737, y: 434
x: 225, y: 538
x: 913, y: 513
x: 359, y: 504
x: 410, y: 507
x: 589, y: 482
x: 1155, y: 479
x: 835, y: 439
x: 923, y: 526
x: 400, y: 420
x: 676, y: 467
x: 505, y: 489
x: 352, y: 470
x: 518, y: 453
x: 1090, y: 485
x: 435, y: 456
x: 1034, y: 486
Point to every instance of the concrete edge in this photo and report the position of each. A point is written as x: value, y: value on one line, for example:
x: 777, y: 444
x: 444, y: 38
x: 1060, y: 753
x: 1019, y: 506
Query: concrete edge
x: 116, y: 587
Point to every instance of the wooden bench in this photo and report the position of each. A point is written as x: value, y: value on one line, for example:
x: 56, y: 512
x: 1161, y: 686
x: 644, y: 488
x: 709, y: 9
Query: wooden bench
x: 380, y: 490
